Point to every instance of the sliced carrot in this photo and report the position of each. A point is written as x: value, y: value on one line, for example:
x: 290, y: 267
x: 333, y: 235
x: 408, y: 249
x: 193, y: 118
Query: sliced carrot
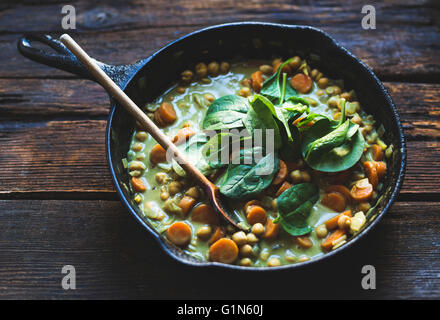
x: 257, y: 81
x: 138, y: 184
x: 362, y: 191
x: 341, y: 189
x: 252, y: 203
x: 271, y: 230
x: 327, y: 244
x: 381, y: 169
x: 286, y: 68
x: 183, y: 135
x: 332, y: 223
x: 334, y: 201
x: 301, y: 82
x: 179, y: 233
x: 281, y: 175
x: 217, y: 235
x: 158, y: 154
x: 371, y: 172
x: 223, y: 250
x: 158, y: 119
x: 204, y: 213
x: 256, y: 214
x: 186, y: 204
x: 377, y: 152
x: 286, y: 185
x: 166, y: 113
x: 304, y: 242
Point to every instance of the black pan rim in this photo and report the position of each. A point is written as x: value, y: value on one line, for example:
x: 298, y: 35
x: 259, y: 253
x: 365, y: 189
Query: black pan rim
x: 326, y: 256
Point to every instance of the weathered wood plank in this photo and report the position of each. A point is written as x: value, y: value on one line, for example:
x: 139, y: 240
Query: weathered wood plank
x: 418, y: 104
x: 69, y: 157
x: 114, y: 258
x: 135, y: 14
x: 396, y: 53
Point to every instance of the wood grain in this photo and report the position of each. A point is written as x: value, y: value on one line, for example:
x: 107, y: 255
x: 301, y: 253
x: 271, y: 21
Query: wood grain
x: 115, y: 258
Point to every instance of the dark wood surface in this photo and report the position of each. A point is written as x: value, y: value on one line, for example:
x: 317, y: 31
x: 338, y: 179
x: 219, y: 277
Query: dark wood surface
x: 57, y: 202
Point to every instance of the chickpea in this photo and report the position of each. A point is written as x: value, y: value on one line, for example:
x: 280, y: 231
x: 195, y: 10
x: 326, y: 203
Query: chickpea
x: 337, y: 90
x: 140, y: 156
x: 246, y: 250
x: 295, y: 63
x: 136, y: 165
x: 266, y: 69
x: 357, y: 119
x: 276, y: 61
x: 205, y: 80
x: 246, y: 82
x: 213, y: 68
x: 246, y: 262
x: 346, y: 95
x: 296, y: 176
x: 174, y: 187
x: 364, y: 207
x: 303, y: 259
x: 258, y: 229
x: 344, y: 222
x: 337, y: 116
x: 209, y: 97
x: 161, y: 177
x: 137, y: 146
x: 204, y: 232
x: 356, y: 106
x: 141, y: 136
x: 186, y: 76
x: 289, y: 256
x: 239, y: 238
x: 318, y: 76
x: 333, y: 102
x: 244, y: 92
x: 274, y: 262
x: 201, y: 70
x: 264, y: 254
x: 252, y: 238
x: 323, y: 83
x: 164, y: 196
x: 321, y: 231
x: 193, y: 192
x: 224, y: 67
x: 314, y: 73
x: 320, y: 92
x: 181, y: 90
x: 305, y: 176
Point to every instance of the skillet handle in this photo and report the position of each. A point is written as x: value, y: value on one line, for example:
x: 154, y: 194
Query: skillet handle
x: 63, y: 59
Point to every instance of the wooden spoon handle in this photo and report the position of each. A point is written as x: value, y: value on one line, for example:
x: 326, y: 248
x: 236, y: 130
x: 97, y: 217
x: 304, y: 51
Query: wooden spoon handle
x: 131, y: 107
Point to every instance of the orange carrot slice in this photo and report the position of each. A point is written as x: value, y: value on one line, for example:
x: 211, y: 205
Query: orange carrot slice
x: 166, y: 113
x: 204, y: 213
x: 327, y: 244
x: 362, y: 191
x: 217, y: 235
x: 257, y: 81
x: 334, y: 201
x: 341, y: 189
x: 186, y: 204
x: 304, y: 242
x: 256, y: 214
x: 252, y: 203
x: 371, y: 172
x: 138, y: 184
x: 286, y: 185
x: 381, y: 169
x: 281, y: 175
x: 183, y: 135
x: 377, y: 152
x: 271, y: 230
x: 223, y: 250
x: 179, y: 233
x: 333, y: 222
x: 301, y: 83
x: 158, y: 154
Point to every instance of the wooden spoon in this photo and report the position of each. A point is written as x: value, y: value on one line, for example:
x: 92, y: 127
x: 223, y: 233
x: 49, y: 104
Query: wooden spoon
x: 211, y: 190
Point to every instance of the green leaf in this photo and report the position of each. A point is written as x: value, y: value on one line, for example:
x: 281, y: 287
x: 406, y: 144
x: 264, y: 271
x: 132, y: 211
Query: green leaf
x: 245, y: 180
x: 226, y: 112
x: 294, y: 206
x: 275, y: 89
x: 193, y: 151
x: 260, y: 116
x: 218, y: 149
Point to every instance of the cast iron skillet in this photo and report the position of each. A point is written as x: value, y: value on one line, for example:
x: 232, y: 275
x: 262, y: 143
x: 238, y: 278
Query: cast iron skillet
x: 148, y: 78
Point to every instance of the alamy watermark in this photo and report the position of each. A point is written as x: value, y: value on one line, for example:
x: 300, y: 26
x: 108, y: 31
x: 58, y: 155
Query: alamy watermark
x: 68, y: 282
x: 369, y: 20
x: 369, y: 279
x: 68, y: 21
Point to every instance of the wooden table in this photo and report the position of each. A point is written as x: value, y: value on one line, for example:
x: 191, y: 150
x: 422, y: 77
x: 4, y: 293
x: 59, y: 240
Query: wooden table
x: 57, y: 202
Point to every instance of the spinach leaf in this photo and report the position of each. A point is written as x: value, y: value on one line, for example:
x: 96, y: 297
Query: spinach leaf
x: 245, y: 180
x: 218, y: 149
x: 333, y: 146
x: 275, y: 90
x: 287, y: 112
x: 260, y: 116
x: 226, y: 112
x: 294, y: 207
x: 193, y: 151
